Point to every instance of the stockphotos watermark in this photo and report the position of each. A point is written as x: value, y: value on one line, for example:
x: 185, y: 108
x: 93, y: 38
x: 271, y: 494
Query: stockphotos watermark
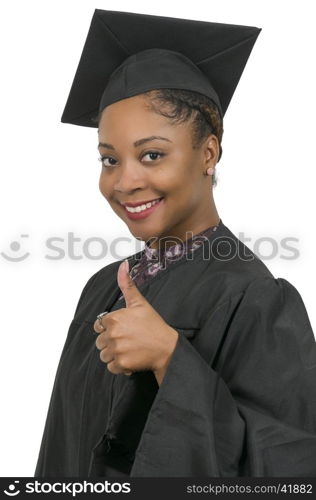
x: 157, y: 488
x: 70, y: 488
x: 72, y: 247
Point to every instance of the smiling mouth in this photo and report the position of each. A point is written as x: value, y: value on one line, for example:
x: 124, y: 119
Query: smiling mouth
x: 142, y: 207
x: 143, y: 211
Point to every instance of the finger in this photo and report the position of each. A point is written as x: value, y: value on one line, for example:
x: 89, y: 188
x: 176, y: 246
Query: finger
x: 100, y: 324
x: 114, y: 368
x: 102, y: 341
x: 129, y: 289
x: 106, y: 355
x: 117, y: 366
x: 97, y: 327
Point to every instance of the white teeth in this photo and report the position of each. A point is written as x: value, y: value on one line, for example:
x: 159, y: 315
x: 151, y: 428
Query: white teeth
x: 140, y: 208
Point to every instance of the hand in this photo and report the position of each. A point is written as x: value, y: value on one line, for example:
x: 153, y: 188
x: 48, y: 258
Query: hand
x: 136, y: 337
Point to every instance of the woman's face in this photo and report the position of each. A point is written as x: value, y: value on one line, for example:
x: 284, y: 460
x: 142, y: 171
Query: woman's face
x: 146, y: 158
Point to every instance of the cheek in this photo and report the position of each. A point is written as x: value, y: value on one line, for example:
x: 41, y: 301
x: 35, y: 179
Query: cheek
x: 188, y: 188
x: 182, y: 176
x: 105, y: 187
x: 102, y: 184
x: 174, y: 173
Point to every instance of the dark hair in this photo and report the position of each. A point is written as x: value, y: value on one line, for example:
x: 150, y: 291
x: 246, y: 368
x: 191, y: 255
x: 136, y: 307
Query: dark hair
x: 183, y: 105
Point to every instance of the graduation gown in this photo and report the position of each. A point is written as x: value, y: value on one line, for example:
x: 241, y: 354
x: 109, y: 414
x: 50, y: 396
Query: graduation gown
x: 239, y: 394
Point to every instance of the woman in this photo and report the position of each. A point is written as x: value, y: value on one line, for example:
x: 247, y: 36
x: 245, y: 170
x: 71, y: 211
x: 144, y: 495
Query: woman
x: 193, y: 360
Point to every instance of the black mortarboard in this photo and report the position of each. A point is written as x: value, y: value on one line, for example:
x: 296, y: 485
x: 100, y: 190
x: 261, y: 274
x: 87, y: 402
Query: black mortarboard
x: 126, y: 54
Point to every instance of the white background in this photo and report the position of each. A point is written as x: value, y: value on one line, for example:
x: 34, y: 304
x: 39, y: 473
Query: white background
x: 49, y: 179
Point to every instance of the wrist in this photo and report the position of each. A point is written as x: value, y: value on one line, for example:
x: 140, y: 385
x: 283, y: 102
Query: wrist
x: 169, y: 347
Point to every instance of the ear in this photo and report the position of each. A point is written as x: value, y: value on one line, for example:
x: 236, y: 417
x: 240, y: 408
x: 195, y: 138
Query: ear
x: 211, y: 151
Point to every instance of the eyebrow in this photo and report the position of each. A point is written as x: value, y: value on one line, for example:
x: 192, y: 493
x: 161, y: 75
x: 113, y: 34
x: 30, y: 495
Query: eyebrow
x: 136, y: 143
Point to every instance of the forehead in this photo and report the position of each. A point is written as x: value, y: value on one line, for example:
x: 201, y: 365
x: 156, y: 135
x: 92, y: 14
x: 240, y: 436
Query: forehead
x: 135, y: 114
x: 128, y: 109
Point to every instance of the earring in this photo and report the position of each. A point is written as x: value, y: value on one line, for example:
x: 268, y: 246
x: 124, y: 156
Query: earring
x: 210, y: 171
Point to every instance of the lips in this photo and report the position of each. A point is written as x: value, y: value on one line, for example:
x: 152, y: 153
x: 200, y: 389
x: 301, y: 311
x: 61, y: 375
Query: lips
x: 138, y: 203
x: 143, y: 214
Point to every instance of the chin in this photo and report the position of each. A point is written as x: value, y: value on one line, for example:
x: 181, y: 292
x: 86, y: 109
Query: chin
x: 144, y: 235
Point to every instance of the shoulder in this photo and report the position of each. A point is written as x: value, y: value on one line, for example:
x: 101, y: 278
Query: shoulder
x: 268, y: 295
x: 232, y: 255
x: 266, y: 290
x: 274, y: 306
x: 226, y: 268
x: 263, y: 300
x: 103, y: 273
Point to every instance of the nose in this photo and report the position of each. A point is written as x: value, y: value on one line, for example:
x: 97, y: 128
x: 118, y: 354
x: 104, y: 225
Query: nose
x: 130, y: 176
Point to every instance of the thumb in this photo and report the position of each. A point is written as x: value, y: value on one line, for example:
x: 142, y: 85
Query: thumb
x: 130, y: 291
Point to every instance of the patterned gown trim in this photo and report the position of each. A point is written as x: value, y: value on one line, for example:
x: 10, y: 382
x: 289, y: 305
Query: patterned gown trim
x: 154, y: 260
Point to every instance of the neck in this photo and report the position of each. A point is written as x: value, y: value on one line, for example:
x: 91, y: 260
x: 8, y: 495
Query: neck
x: 187, y: 230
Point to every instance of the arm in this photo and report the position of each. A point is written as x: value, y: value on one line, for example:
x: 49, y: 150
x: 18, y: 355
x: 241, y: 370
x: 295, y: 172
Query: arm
x: 253, y: 412
x: 172, y: 342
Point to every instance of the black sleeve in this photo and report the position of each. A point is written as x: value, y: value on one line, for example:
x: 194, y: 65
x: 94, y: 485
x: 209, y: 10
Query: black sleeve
x: 252, y: 412
x: 50, y: 418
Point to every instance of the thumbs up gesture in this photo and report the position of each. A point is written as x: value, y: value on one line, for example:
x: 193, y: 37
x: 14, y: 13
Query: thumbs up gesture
x: 135, y: 337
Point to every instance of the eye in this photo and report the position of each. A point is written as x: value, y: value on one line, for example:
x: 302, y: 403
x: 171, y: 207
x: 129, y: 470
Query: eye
x: 153, y: 155
x: 104, y: 158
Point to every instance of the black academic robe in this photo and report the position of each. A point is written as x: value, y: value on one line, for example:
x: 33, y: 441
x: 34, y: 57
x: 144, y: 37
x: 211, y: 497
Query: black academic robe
x: 239, y: 394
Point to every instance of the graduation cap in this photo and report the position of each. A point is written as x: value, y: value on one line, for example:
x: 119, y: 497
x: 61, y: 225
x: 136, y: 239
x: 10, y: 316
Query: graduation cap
x: 126, y: 54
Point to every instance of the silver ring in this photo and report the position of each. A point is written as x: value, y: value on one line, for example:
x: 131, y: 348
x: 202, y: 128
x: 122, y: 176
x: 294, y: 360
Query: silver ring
x: 100, y: 316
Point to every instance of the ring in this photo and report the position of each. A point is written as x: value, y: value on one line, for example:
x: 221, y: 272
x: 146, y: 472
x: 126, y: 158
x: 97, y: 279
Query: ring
x: 100, y: 316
